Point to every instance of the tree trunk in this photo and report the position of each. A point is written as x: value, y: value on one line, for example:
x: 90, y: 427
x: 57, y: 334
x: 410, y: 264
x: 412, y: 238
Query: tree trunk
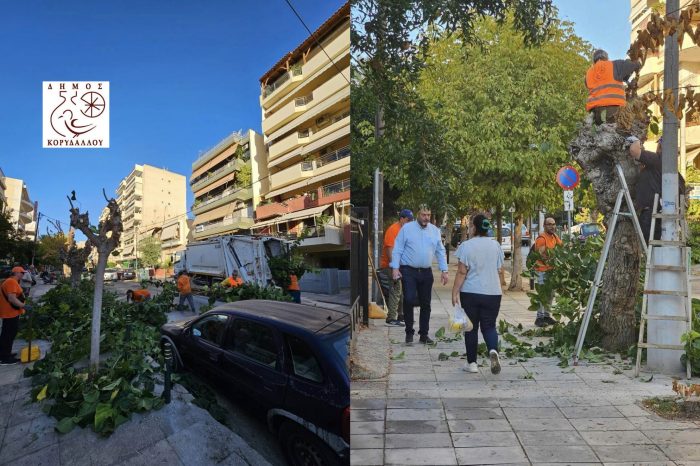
x: 516, y: 280
x: 597, y: 149
x: 97, y: 310
x: 464, y: 228
x: 75, y: 273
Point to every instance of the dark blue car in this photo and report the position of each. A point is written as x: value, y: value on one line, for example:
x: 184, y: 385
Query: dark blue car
x: 289, y: 358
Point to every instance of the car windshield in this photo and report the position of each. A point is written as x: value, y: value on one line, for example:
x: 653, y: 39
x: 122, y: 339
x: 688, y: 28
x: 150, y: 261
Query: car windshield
x: 589, y: 229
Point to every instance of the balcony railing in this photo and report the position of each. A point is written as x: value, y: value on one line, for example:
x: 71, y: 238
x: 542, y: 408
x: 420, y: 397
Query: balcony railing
x: 293, y: 72
x: 225, y: 167
x: 333, y: 156
x: 338, y: 187
x: 224, y: 222
x: 215, y: 198
x: 304, y: 134
x: 301, y: 101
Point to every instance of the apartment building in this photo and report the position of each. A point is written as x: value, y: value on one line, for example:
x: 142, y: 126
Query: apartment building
x: 3, y: 188
x: 151, y: 200
x: 305, y: 101
x: 651, y: 78
x: 20, y: 207
x: 227, y: 182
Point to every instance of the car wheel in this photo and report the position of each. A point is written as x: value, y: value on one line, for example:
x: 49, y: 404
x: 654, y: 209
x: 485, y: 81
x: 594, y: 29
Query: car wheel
x: 301, y: 447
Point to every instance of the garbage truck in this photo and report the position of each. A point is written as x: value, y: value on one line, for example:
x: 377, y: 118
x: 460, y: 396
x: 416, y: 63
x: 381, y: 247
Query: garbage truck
x: 214, y: 259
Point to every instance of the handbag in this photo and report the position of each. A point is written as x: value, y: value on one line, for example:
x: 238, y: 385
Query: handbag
x: 459, y: 322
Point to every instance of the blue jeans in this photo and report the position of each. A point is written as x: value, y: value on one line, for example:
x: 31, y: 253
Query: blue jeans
x: 416, y: 282
x: 189, y: 299
x: 482, y: 310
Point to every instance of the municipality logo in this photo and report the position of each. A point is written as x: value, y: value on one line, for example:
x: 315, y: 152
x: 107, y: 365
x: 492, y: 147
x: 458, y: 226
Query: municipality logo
x: 76, y: 114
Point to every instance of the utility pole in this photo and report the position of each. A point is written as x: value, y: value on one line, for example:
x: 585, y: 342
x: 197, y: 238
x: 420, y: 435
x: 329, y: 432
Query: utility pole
x: 377, y: 203
x: 36, y: 232
x: 668, y: 332
x: 136, y: 247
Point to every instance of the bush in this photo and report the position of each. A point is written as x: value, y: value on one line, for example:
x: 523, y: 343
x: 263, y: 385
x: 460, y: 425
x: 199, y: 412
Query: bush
x: 217, y: 292
x: 692, y: 341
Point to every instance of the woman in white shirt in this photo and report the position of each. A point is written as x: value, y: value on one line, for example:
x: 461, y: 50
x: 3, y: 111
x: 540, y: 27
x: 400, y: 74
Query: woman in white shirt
x: 477, y: 288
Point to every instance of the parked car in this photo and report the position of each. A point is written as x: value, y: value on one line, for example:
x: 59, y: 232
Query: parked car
x: 505, y: 239
x: 524, y: 232
x: 291, y: 359
x: 585, y: 230
x: 128, y: 274
x: 111, y: 275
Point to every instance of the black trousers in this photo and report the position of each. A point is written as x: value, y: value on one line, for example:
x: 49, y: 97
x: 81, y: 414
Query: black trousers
x: 7, y: 336
x: 416, y: 282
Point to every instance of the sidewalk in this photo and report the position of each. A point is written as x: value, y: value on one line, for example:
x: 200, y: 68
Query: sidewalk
x: 427, y: 411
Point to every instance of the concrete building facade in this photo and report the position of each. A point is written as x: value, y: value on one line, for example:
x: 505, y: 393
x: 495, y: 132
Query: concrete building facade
x: 20, y: 207
x: 152, y: 200
x: 305, y: 102
x: 227, y: 182
x: 3, y: 188
x: 651, y: 78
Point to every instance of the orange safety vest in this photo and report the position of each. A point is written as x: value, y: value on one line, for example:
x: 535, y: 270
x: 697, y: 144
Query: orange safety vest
x: 603, y: 89
x: 233, y: 283
x: 549, y: 242
x: 293, y: 283
x: 141, y: 295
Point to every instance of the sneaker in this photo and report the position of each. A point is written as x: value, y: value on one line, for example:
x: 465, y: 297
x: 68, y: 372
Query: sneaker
x: 549, y: 321
x: 426, y: 340
x: 409, y: 338
x: 395, y: 323
x: 540, y: 322
x: 495, y: 362
x: 471, y: 367
x: 9, y: 361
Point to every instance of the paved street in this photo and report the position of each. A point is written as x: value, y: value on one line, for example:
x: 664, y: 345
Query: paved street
x: 427, y: 411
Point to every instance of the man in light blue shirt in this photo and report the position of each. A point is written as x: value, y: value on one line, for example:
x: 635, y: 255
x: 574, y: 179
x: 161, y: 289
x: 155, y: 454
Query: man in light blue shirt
x: 415, y: 247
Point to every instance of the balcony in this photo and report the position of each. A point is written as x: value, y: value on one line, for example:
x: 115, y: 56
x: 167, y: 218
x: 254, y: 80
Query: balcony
x: 280, y: 208
x: 217, y: 174
x: 231, y: 194
x: 172, y: 243
x: 235, y: 137
x: 292, y: 174
x: 289, y: 143
x: 288, y: 81
x: 327, y: 235
x: 225, y: 226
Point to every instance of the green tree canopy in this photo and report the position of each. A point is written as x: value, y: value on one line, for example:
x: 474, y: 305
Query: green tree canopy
x: 150, y: 251
x: 49, y: 249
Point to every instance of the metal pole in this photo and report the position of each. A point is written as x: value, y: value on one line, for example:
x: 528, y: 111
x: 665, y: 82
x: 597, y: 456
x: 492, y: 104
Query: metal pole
x: 36, y: 233
x: 136, y: 249
x: 668, y: 332
x: 684, y: 159
x: 375, y: 228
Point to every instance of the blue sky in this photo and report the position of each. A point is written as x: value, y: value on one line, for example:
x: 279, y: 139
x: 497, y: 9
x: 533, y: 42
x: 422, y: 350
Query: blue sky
x: 603, y: 23
x: 183, y: 75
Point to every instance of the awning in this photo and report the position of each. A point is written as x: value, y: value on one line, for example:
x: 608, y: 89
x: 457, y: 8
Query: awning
x: 127, y: 251
x: 293, y: 216
x: 170, y: 232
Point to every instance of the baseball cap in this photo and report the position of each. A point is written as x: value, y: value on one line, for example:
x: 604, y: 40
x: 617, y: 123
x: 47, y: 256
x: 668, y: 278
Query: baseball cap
x: 18, y: 269
x: 406, y: 213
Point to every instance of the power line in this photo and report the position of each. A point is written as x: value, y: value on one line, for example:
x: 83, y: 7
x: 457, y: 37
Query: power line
x: 316, y: 40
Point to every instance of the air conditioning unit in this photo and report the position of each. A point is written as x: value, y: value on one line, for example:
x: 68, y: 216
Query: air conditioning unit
x: 322, y: 121
x: 199, y: 228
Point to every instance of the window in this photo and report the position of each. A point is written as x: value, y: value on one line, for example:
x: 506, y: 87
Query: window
x: 255, y: 341
x: 210, y: 328
x: 304, y: 363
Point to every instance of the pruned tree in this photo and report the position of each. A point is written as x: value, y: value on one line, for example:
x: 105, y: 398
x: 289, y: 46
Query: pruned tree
x: 75, y: 257
x: 597, y: 149
x: 105, y: 238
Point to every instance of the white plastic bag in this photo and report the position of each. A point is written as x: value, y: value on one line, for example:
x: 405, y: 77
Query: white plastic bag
x: 459, y: 322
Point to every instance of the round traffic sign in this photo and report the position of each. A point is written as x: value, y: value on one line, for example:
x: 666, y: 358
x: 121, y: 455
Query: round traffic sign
x: 568, y: 177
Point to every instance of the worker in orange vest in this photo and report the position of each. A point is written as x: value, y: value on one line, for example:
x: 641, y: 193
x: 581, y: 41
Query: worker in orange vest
x: 138, y: 296
x: 606, y: 89
x: 11, y: 307
x: 185, y: 289
x: 293, y: 289
x: 544, y: 243
x: 233, y: 281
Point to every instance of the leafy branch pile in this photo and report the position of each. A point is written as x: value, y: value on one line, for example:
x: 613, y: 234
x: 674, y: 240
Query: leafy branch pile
x: 132, y: 366
x: 692, y: 340
x: 217, y: 292
x: 282, y: 266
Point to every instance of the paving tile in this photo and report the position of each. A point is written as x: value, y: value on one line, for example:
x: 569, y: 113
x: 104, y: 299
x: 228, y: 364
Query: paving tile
x: 415, y: 414
x: 361, y: 442
x: 368, y: 385
x: 589, y: 412
x: 367, y: 457
x: 549, y: 437
x: 563, y: 401
x: 437, y: 440
x: 413, y: 403
x: 632, y: 410
x: 484, y: 439
x: 490, y: 455
x: 474, y: 413
x: 364, y: 394
x: 629, y: 453
x: 427, y: 456
x: 560, y: 453
x: 367, y: 415
x: 527, y: 402
x: 673, y: 436
x: 434, y: 393
x: 371, y: 427
x: 656, y: 423
x: 573, y: 464
x: 490, y: 425
x: 603, y: 423
x: 533, y: 413
x: 615, y: 437
x: 470, y: 403
x: 409, y: 377
x: 540, y: 424
x: 369, y: 403
x: 160, y: 453
x: 403, y: 385
x: 28, y: 437
x: 416, y: 427
x: 48, y: 456
x: 645, y: 463
x: 682, y: 452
